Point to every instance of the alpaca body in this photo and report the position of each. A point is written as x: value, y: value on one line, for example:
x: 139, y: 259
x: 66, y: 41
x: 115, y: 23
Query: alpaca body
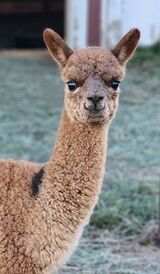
x: 42, y: 230
x: 43, y: 210
x: 15, y: 207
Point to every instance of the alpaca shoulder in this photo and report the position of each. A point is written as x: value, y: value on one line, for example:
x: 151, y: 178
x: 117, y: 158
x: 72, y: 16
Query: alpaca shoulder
x: 15, y: 175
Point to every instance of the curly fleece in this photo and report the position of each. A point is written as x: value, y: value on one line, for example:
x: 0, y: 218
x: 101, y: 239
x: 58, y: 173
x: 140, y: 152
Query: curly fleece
x: 43, y: 211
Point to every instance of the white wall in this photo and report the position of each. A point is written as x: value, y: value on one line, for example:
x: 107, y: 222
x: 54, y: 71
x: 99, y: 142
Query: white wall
x: 118, y: 16
x: 76, y: 25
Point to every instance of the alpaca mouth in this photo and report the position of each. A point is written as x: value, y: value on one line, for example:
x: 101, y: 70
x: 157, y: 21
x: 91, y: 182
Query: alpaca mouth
x: 95, y: 115
x: 95, y: 111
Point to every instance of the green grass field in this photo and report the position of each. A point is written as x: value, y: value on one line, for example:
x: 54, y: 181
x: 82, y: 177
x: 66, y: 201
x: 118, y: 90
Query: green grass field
x: 31, y: 95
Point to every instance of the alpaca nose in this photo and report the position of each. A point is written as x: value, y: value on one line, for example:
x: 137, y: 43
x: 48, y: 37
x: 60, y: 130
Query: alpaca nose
x: 95, y: 102
x: 95, y: 99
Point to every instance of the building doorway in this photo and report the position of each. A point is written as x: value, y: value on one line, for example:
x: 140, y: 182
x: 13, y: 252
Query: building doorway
x: 23, y: 21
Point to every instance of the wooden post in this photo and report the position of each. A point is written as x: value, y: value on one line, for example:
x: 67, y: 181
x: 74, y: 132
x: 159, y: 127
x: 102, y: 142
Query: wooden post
x: 94, y: 19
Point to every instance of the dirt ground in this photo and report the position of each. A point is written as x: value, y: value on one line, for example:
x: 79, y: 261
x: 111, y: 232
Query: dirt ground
x: 104, y: 252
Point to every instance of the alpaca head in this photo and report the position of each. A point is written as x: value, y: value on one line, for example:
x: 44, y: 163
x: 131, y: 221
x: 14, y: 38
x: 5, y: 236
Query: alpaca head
x: 91, y: 76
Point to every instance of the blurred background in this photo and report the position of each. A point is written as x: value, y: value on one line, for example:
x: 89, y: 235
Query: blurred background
x: 82, y: 23
x: 124, y: 232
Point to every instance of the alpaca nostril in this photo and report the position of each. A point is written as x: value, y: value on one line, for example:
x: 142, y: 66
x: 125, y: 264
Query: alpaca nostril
x: 95, y: 98
x: 100, y: 98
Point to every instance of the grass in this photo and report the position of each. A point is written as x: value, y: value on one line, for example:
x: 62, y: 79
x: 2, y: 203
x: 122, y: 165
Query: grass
x: 144, y: 54
x: 31, y: 100
x: 126, y: 206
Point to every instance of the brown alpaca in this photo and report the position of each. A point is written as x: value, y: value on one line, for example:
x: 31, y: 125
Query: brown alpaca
x: 43, y: 210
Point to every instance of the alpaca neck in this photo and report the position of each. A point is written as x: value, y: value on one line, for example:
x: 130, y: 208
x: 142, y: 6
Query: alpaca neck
x: 75, y: 170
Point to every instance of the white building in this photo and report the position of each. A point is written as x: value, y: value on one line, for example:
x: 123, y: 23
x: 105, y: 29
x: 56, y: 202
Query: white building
x: 103, y: 22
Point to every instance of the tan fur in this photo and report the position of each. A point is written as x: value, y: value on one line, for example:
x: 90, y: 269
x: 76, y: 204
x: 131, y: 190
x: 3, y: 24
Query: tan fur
x: 38, y: 233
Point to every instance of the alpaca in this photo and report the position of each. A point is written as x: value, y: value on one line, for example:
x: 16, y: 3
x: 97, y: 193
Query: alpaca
x: 43, y: 210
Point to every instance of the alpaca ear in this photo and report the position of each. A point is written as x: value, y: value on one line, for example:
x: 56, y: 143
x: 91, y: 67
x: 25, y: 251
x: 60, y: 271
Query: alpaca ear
x: 57, y: 47
x: 127, y: 46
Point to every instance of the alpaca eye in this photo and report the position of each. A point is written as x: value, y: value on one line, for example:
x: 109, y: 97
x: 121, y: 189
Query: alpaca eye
x: 72, y: 85
x: 114, y: 84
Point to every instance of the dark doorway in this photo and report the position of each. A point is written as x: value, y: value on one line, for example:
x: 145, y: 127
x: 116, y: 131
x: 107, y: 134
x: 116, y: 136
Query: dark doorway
x: 23, y: 21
